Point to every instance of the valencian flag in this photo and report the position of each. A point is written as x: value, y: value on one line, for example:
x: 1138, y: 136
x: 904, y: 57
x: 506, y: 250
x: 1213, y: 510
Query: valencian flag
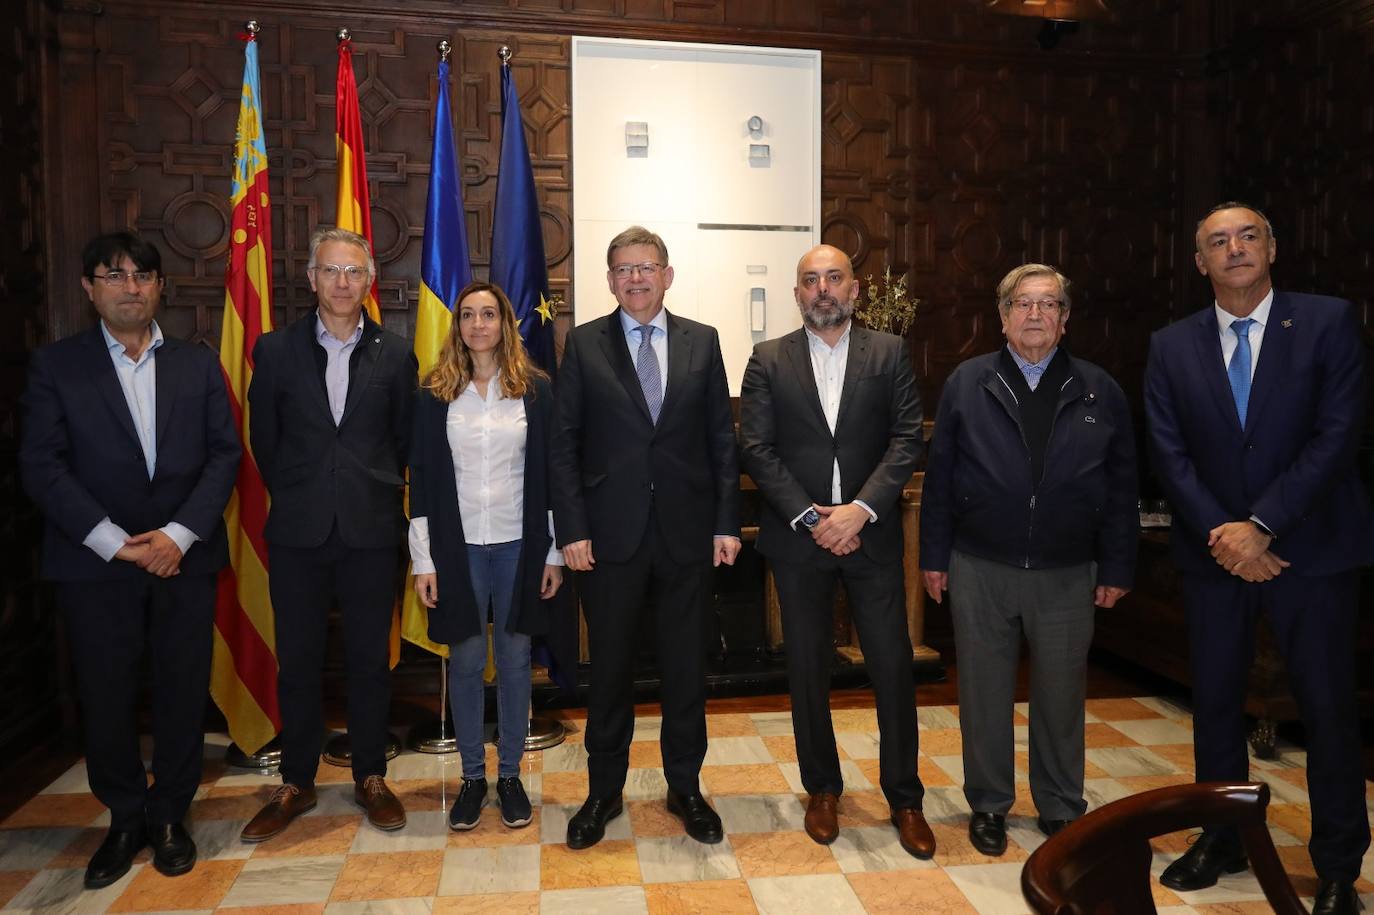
x: 354, y: 209
x: 518, y: 267
x: 444, y: 270
x: 243, y: 679
x: 353, y: 206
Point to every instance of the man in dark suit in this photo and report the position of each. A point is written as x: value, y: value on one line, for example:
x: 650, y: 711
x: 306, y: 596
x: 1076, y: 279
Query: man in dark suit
x: 130, y: 452
x: 645, y: 486
x: 830, y: 422
x: 1256, y: 407
x: 331, y: 399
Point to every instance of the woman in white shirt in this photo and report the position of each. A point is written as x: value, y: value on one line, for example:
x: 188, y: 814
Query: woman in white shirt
x: 480, y: 531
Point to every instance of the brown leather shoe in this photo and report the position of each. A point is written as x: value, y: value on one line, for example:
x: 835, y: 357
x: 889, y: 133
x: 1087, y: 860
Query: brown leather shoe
x: 287, y: 802
x: 914, y: 833
x: 821, y: 823
x: 383, y: 808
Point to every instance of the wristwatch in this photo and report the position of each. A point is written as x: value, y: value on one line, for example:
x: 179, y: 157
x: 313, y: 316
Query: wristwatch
x: 810, y: 518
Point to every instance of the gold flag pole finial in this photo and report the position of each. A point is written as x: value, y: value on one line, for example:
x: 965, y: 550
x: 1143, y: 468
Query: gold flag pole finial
x: 445, y: 49
x: 505, y: 54
x: 343, y: 34
x: 251, y: 27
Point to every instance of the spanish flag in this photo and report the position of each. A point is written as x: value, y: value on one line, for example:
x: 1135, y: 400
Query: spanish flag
x: 444, y: 270
x: 354, y: 209
x: 243, y: 679
x: 353, y: 206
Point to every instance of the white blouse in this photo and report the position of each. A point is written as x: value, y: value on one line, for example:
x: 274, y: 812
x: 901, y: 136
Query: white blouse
x: 487, y: 438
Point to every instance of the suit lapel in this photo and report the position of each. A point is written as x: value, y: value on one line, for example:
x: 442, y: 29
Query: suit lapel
x: 798, y: 351
x: 859, y: 346
x: 302, y: 341
x: 107, y: 383
x: 617, y: 353
x: 679, y: 361
x: 360, y: 372
x: 1273, y: 356
x: 166, y: 384
x: 1207, y: 339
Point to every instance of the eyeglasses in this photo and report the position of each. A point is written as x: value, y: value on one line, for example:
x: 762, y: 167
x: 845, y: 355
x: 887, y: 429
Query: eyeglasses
x: 1047, y: 306
x: 120, y: 277
x: 352, y: 274
x: 648, y: 270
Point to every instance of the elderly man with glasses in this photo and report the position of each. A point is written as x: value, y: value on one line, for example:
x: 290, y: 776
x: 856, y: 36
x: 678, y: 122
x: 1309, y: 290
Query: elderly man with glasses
x: 130, y: 452
x: 1029, y: 519
x: 330, y: 407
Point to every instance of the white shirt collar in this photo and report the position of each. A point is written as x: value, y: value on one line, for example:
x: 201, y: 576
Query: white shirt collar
x: 118, y: 348
x: 628, y: 323
x: 1260, y: 315
x: 815, y: 341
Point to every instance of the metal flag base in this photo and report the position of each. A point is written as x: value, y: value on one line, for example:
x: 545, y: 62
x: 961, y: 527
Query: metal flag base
x: 269, y: 757
x: 338, y: 751
x: 545, y: 734
x: 433, y: 737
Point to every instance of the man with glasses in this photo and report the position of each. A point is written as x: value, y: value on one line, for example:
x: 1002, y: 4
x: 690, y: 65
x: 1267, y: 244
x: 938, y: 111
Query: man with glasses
x: 330, y: 406
x: 129, y: 449
x: 830, y: 421
x: 1029, y: 519
x: 646, y: 487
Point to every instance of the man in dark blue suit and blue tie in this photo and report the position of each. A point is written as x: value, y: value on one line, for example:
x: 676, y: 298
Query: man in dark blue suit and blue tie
x: 1256, y: 407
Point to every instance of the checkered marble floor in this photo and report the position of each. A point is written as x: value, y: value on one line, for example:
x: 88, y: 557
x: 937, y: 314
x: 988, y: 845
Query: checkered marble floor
x: 330, y: 861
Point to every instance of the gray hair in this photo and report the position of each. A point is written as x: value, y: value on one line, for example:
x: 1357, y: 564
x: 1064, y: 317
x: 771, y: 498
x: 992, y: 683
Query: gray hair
x: 1231, y: 205
x: 636, y: 235
x: 334, y: 233
x: 1007, y: 288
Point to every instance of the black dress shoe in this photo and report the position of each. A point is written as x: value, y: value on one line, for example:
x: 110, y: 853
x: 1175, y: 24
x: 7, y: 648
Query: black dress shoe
x: 1337, y: 897
x: 701, y: 821
x: 988, y: 833
x: 1210, y: 857
x: 173, y: 851
x: 588, y: 825
x: 1050, y: 827
x: 114, y: 856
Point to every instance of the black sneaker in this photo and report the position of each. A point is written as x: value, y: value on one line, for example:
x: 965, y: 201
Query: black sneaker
x: 467, y: 810
x: 515, y: 804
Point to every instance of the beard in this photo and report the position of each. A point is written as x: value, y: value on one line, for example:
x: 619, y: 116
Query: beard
x: 818, y: 318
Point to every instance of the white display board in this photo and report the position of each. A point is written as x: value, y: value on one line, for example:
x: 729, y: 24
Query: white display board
x: 735, y: 224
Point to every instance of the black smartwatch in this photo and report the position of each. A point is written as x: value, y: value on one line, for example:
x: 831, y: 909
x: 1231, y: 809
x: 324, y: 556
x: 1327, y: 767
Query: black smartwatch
x: 810, y: 518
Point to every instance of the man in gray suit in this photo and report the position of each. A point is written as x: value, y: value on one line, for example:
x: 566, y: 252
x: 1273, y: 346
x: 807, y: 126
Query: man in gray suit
x: 830, y: 422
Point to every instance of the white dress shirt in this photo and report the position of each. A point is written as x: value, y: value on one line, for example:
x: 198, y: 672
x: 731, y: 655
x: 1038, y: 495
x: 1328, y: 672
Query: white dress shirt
x: 1228, y: 338
x: 658, y: 340
x: 828, y: 364
x: 487, y: 438
x: 138, y: 381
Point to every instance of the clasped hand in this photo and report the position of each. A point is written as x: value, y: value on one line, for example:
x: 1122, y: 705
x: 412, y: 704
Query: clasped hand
x: 153, y: 552
x: 1242, y: 549
x: 838, y: 530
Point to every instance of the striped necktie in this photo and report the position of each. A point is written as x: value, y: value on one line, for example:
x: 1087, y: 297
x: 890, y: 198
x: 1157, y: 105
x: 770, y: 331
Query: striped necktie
x: 646, y: 367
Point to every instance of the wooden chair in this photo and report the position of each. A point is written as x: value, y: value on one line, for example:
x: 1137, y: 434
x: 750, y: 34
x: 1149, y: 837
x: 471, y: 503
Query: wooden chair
x: 1100, y: 863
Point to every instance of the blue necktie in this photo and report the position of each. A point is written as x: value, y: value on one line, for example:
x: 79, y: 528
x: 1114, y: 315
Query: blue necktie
x: 1239, y: 369
x: 646, y: 367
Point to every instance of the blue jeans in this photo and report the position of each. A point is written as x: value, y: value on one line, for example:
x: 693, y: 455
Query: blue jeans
x: 493, y: 569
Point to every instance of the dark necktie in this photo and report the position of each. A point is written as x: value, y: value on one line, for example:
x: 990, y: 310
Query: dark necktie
x: 646, y: 367
x: 1239, y: 369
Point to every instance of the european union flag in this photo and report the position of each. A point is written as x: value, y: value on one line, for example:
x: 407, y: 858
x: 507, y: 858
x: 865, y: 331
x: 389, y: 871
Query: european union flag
x: 517, y: 243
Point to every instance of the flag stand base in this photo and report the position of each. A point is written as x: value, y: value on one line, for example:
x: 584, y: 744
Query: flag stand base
x: 544, y: 734
x: 269, y: 757
x: 433, y: 737
x: 338, y: 751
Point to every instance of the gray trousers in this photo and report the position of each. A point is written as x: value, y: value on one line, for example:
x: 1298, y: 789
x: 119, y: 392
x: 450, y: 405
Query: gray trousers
x: 992, y: 605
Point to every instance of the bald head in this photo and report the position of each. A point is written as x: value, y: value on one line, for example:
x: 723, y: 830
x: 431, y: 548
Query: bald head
x: 826, y: 289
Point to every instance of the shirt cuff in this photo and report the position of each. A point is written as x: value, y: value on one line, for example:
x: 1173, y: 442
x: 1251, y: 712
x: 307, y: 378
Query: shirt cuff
x: 864, y: 505
x: 418, y: 539
x: 106, y: 539
x: 555, y: 557
x: 1264, y: 528
x: 181, y: 535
